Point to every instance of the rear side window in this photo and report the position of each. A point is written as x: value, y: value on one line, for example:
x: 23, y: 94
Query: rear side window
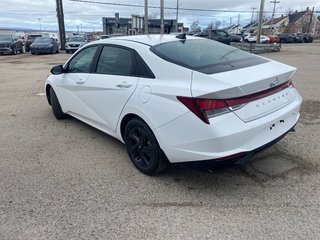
x: 206, y: 56
x: 116, y: 61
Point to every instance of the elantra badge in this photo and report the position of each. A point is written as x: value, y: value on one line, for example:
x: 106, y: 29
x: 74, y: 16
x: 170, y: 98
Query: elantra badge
x: 274, y: 83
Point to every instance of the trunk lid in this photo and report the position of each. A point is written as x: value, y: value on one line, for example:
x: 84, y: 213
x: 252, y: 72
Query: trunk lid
x: 245, y: 82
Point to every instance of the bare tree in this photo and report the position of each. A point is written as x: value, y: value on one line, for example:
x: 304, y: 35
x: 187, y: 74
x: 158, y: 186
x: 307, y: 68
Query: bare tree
x: 210, y: 26
x: 290, y: 11
x: 195, y: 27
x: 217, y: 24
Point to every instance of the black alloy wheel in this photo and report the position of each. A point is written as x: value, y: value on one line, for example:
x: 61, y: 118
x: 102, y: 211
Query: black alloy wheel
x: 143, y: 148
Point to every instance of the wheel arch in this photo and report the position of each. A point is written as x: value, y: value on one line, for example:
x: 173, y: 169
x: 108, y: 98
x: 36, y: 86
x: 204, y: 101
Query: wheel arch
x: 125, y: 120
x: 123, y: 124
x: 48, y: 87
x: 135, y: 113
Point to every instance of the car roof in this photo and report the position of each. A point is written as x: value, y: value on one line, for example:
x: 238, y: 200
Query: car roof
x: 149, y: 40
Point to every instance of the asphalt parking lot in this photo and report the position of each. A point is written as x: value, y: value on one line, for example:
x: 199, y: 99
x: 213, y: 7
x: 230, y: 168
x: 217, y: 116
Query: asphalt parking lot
x: 66, y: 180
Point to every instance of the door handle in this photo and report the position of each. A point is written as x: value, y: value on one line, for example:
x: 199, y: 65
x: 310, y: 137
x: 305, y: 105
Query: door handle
x: 124, y: 85
x: 80, y: 81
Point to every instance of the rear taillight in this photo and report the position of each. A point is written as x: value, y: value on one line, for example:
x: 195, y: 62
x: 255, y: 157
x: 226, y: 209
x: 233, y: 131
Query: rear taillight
x: 204, y: 108
x: 207, y: 108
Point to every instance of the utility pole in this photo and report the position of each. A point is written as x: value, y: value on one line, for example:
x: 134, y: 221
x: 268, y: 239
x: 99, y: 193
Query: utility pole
x: 230, y: 21
x: 162, y: 16
x: 40, y: 22
x: 146, y: 20
x: 238, y: 23
x: 62, y: 31
x: 177, y: 16
x: 308, y: 29
x: 274, y: 9
x: 260, y: 20
x: 253, y: 8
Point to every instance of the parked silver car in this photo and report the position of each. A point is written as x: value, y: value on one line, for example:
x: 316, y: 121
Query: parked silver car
x: 74, y: 43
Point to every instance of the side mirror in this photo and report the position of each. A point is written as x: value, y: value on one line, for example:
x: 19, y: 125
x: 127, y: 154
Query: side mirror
x: 57, y: 70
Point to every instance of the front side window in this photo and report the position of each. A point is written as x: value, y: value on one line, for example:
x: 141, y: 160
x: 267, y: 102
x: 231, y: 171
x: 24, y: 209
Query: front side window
x: 115, y: 61
x: 222, y: 34
x: 81, y: 63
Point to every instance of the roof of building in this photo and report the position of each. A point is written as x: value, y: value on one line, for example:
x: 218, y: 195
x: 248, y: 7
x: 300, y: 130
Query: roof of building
x: 127, y: 21
x: 275, y: 20
x: 296, y: 16
x: 248, y: 25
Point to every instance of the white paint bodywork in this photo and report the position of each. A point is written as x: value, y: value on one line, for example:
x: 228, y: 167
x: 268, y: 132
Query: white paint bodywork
x: 182, y: 136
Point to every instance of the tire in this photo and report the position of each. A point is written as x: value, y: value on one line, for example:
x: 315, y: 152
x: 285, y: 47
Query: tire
x: 56, y: 108
x: 67, y: 51
x: 143, y: 148
x: 32, y: 53
x: 14, y: 51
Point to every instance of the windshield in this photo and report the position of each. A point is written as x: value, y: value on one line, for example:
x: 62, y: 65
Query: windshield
x: 43, y: 40
x: 32, y: 37
x: 5, y: 38
x: 76, y: 39
x: 206, y: 56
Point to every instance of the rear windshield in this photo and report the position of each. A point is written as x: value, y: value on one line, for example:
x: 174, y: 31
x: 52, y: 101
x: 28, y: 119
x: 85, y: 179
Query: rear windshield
x: 76, y: 39
x: 206, y: 56
x: 32, y: 37
x: 43, y: 40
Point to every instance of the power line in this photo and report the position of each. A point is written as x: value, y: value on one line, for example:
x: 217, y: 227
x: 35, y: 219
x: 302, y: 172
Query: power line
x: 157, y: 7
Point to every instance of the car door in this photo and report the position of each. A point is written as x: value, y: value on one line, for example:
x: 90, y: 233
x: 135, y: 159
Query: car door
x: 108, y: 89
x: 223, y: 37
x: 77, y: 70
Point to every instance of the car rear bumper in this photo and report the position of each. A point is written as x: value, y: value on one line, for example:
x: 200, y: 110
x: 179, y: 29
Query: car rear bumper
x: 42, y: 50
x: 241, y: 160
x: 226, y: 135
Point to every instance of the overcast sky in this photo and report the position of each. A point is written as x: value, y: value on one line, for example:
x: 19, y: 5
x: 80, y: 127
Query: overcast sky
x: 26, y: 13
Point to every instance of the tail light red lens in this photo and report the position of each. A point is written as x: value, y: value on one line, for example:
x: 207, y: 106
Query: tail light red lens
x: 207, y: 108
x: 204, y: 108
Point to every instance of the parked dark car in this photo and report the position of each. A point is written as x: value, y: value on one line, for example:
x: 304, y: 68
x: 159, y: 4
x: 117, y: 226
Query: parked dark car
x: 44, y: 45
x: 235, y: 38
x: 307, y: 38
x: 10, y: 44
x: 286, y: 38
x: 30, y: 40
x: 298, y: 37
x: 217, y: 35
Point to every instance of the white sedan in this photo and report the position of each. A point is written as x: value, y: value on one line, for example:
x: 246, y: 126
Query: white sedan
x: 253, y: 39
x: 177, y: 99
